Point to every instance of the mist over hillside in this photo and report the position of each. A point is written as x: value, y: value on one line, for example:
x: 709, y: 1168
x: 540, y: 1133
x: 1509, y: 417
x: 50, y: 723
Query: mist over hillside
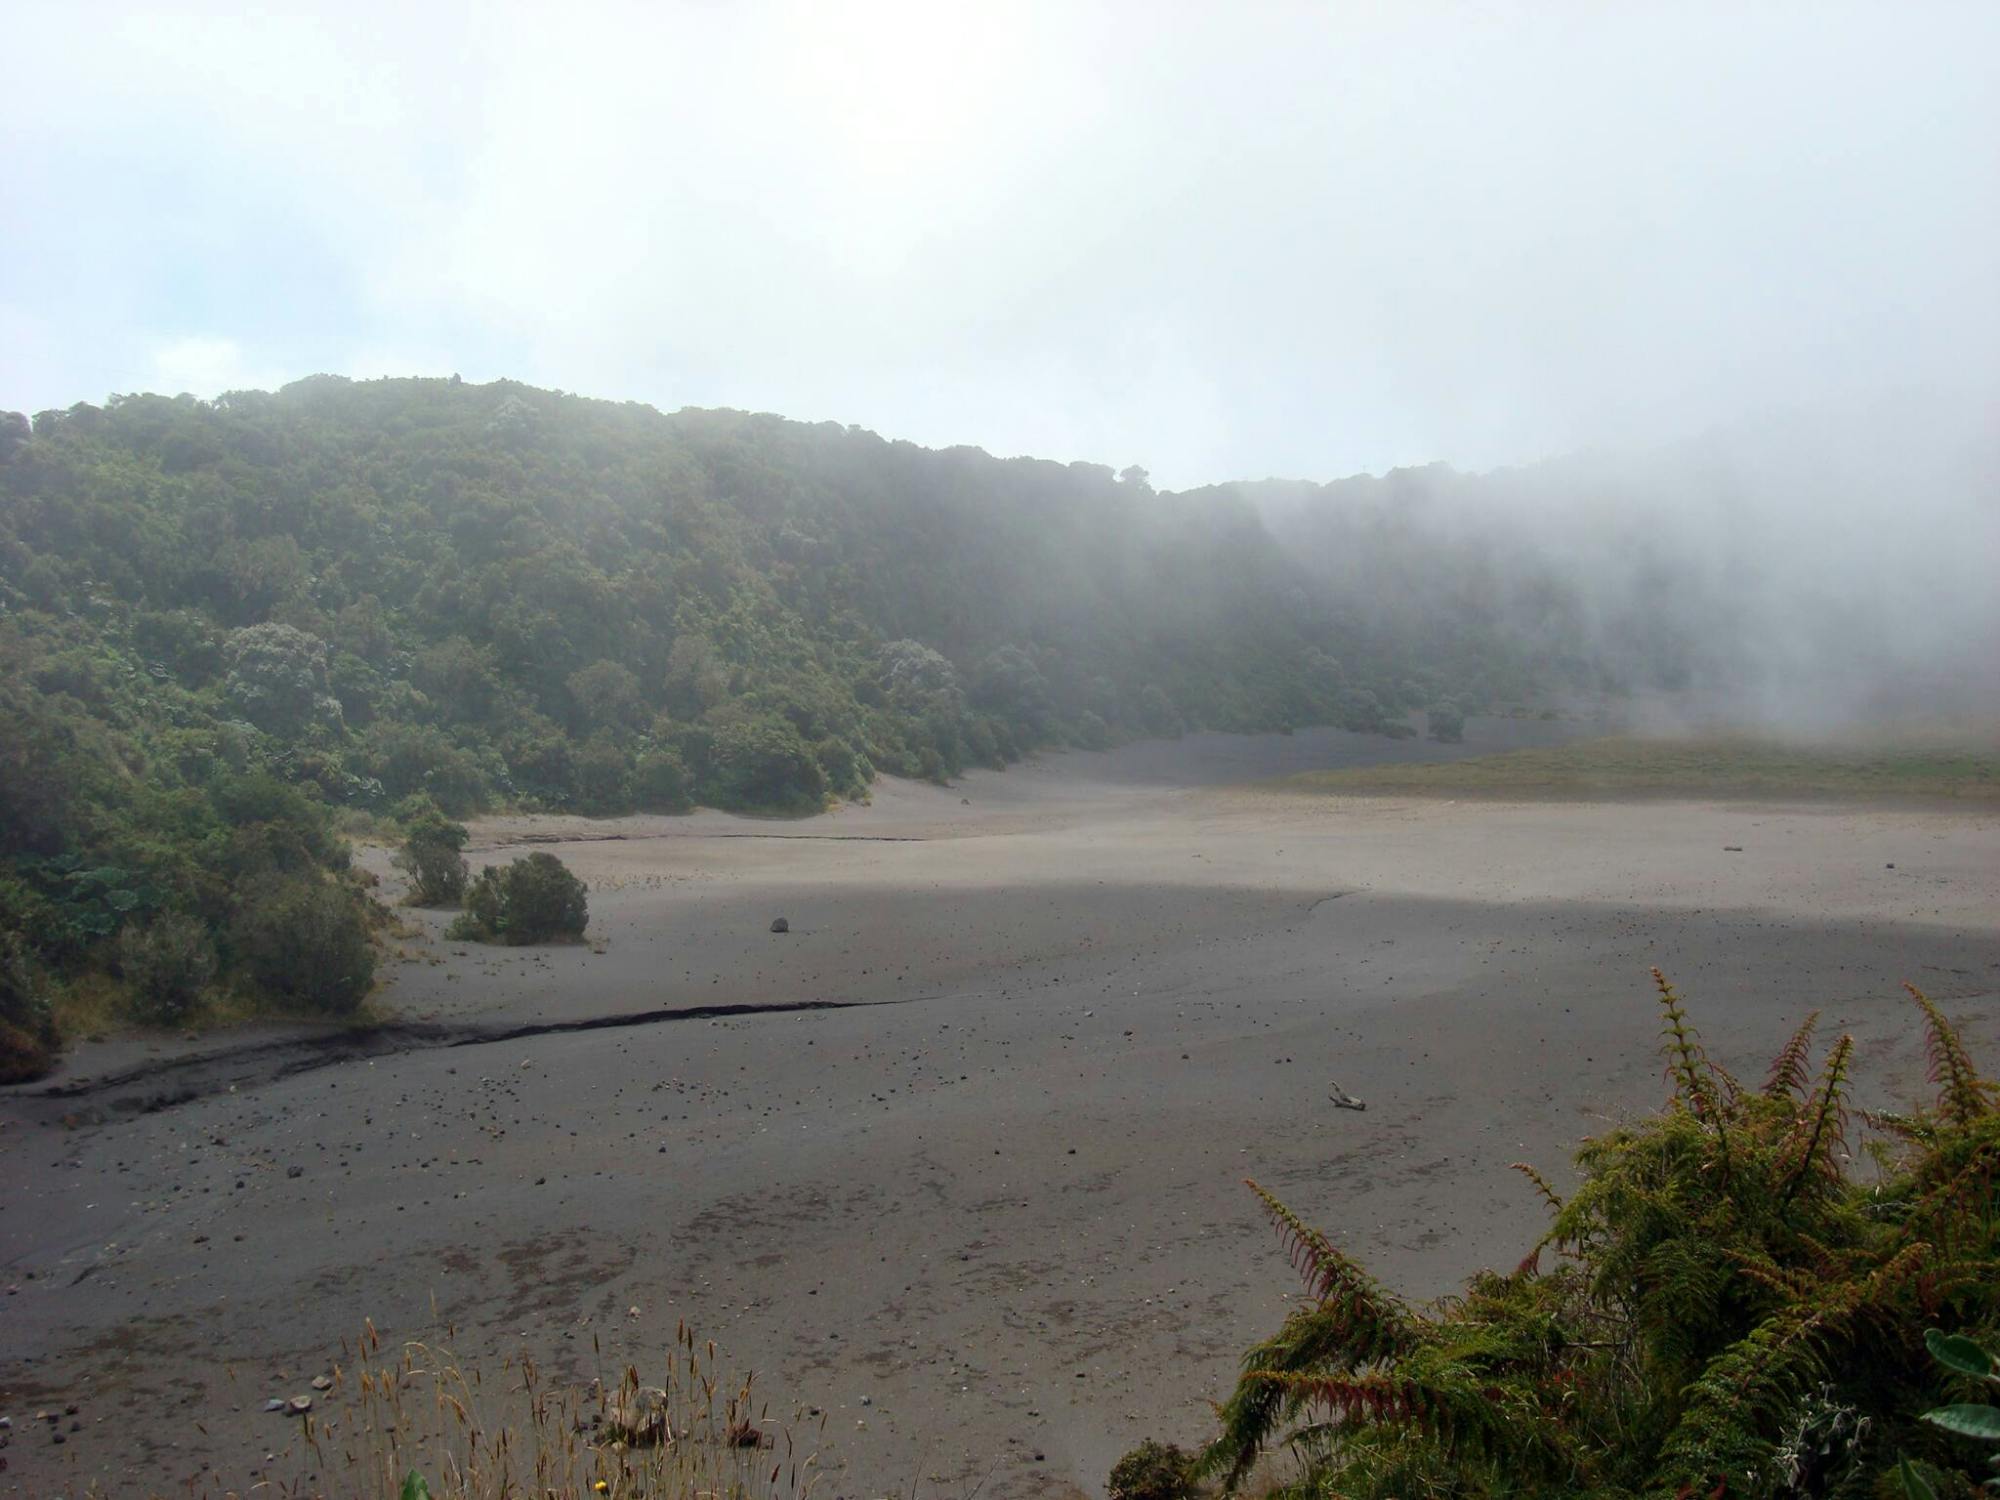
x: 224, y: 623
x: 1811, y: 572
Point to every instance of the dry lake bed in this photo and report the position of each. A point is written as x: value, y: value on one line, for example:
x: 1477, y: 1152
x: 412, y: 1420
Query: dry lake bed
x: 958, y: 1159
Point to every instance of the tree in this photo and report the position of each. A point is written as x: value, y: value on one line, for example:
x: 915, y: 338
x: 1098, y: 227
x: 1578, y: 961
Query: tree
x: 430, y: 856
x: 606, y: 695
x: 918, y: 681
x: 277, y: 679
x: 14, y: 433
x: 761, y: 761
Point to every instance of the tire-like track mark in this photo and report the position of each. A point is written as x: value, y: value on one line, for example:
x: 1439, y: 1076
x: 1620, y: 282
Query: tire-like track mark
x: 154, y: 1086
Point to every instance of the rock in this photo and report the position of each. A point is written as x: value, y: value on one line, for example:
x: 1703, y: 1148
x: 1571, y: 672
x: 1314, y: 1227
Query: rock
x: 322, y: 1383
x: 779, y: 924
x: 295, y: 1171
x: 867, y: 1400
x: 1343, y: 1100
x: 298, y: 1406
x: 274, y: 1404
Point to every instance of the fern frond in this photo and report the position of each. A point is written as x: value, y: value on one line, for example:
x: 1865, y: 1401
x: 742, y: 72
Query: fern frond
x: 1788, y: 1076
x: 1379, y: 1321
x: 1360, y: 1398
x: 1751, y: 1390
x: 1688, y: 1065
x: 1549, y: 1194
x: 1682, y: 1044
x: 1961, y: 1092
x: 1353, y: 1322
x: 1472, y: 1415
x: 1961, y: 1202
x: 1312, y: 1340
x: 1808, y: 1152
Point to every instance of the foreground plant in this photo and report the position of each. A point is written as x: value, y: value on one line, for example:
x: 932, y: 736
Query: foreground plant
x: 418, y: 1425
x: 1730, y: 1312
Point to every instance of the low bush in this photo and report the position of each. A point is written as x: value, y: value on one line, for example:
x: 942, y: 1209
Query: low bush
x: 1152, y: 1471
x: 1447, y: 722
x: 534, y: 900
x: 27, y: 1025
x: 166, y: 965
x: 304, y: 941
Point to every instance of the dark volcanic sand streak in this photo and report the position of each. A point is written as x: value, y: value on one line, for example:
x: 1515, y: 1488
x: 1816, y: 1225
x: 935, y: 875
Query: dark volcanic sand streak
x: 1121, y: 999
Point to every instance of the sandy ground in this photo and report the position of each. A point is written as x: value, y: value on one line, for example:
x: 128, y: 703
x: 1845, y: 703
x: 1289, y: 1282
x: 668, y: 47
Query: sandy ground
x: 986, y: 1210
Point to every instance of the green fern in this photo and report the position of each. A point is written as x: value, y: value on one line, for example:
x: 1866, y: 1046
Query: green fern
x: 1732, y: 1314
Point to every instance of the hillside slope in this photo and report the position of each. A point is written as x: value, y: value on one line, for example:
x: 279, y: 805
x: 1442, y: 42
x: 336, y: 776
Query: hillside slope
x: 221, y: 621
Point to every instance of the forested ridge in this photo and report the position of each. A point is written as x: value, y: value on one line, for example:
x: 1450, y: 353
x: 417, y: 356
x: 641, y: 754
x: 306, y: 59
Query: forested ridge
x: 221, y: 622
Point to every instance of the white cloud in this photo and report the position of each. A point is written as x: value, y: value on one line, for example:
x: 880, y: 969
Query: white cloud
x: 204, y: 366
x: 1215, y: 241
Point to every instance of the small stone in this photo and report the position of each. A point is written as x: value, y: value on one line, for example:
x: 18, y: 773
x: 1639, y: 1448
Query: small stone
x: 295, y: 1171
x: 779, y: 924
x: 322, y: 1383
x: 274, y: 1404
x: 298, y: 1406
x: 867, y: 1400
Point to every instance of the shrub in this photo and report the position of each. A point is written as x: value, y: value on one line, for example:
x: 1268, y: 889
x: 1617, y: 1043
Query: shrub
x: 761, y: 761
x: 1092, y: 733
x: 168, y: 964
x: 304, y: 940
x: 1447, y: 722
x: 660, y: 782
x: 1152, y: 1471
x: 1730, y: 1312
x: 409, y: 759
x: 603, y: 777
x: 533, y: 900
x: 430, y: 857
x: 27, y: 1025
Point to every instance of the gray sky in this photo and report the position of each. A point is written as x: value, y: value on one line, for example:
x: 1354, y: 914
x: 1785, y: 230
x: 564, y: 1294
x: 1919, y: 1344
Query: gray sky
x: 1219, y: 241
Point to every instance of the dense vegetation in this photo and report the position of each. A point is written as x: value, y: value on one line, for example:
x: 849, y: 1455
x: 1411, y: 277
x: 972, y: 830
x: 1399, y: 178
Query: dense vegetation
x: 1732, y: 1310
x: 222, y: 624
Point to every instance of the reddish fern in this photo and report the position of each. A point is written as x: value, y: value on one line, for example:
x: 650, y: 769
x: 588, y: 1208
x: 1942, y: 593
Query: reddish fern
x: 1541, y: 1183
x: 1789, y: 1070
x: 1961, y: 1097
x: 1822, y: 1129
x: 1376, y: 1315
